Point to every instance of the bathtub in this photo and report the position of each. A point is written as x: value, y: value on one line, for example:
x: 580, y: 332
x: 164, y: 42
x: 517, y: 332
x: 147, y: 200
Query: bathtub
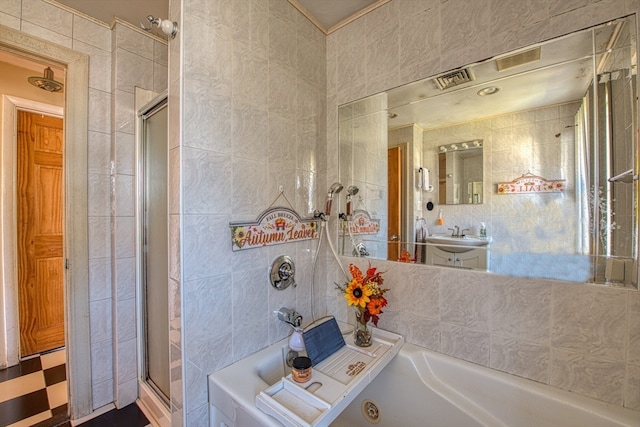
x: 423, y: 388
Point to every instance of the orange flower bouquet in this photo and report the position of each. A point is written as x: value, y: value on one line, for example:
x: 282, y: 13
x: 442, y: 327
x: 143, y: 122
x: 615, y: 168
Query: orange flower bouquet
x: 366, y: 294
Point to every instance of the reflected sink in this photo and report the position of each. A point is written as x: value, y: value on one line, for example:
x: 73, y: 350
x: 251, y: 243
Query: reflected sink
x: 459, y: 244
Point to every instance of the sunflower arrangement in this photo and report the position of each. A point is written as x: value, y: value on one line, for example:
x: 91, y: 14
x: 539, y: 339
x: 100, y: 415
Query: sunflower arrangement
x: 365, y: 292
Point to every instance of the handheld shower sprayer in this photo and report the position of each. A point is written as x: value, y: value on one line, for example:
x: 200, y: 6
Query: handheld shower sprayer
x: 335, y: 188
x: 352, y: 190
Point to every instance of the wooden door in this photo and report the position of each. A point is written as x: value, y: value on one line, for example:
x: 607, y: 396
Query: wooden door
x: 395, y: 202
x: 40, y: 211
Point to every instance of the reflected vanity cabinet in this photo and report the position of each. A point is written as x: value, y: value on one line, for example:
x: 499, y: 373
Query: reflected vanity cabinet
x: 474, y: 259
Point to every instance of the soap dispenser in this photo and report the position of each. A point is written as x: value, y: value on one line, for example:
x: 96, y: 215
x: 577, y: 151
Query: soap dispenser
x: 483, y: 230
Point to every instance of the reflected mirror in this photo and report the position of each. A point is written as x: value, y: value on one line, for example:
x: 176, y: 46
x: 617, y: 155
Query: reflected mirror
x: 557, y: 126
x: 460, y: 178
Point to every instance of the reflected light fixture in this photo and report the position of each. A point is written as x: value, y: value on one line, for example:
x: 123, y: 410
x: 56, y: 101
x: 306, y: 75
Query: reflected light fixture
x: 489, y: 90
x: 47, y: 82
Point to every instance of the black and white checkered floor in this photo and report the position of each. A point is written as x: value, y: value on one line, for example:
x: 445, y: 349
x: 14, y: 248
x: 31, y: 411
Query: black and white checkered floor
x: 34, y: 393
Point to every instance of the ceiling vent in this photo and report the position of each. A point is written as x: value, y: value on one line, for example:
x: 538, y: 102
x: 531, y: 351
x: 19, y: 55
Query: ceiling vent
x: 518, y: 59
x: 454, y: 78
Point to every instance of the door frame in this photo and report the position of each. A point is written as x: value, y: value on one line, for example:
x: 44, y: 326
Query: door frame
x: 10, y: 332
x: 76, y: 250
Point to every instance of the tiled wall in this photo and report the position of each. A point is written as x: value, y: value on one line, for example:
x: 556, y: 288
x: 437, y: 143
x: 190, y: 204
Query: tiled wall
x: 113, y: 55
x: 575, y: 336
x: 252, y: 95
x: 138, y: 61
x: 579, y: 337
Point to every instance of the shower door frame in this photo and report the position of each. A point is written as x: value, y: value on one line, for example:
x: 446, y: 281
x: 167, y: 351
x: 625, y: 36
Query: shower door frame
x: 150, y: 395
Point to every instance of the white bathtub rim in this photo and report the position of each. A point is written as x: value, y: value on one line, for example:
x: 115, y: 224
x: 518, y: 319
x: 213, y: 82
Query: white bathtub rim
x: 419, y: 358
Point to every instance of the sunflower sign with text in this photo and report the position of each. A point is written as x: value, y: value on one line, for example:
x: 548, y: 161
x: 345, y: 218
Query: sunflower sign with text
x: 274, y: 226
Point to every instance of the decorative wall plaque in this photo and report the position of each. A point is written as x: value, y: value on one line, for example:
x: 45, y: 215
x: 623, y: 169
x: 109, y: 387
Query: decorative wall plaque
x: 361, y: 223
x: 529, y: 184
x: 274, y: 226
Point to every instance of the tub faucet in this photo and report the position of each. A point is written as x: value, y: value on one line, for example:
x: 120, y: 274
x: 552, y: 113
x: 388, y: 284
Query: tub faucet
x: 290, y: 316
x: 296, y: 341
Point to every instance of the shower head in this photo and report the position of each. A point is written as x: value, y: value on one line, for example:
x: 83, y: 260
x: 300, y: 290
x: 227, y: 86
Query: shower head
x: 352, y: 190
x: 335, y: 188
x: 47, y: 83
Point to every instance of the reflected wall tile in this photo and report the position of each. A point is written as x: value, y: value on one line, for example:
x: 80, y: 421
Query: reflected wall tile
x: 521, y: 310
x: 591, y: 376
x: 520, y: 358
x: 48, y: 16
x: 592, y: 321
x: 466, y: 302
x: 464, y: 343
x: 91, y: 33
x: 633, y: 346
x: 632, y: 388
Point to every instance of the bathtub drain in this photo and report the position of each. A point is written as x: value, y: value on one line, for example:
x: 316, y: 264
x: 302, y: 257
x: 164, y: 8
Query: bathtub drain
x: 370, y: 411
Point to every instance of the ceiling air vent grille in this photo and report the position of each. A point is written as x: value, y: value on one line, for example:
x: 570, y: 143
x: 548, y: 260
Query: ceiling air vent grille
x: 518, y: 59
x: 454, y: 78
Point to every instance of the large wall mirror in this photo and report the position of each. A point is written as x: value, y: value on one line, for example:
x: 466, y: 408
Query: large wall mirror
x: 557, y: 120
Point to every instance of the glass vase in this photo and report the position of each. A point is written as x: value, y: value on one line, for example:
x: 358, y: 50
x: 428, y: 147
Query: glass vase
x: 361, y: 333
